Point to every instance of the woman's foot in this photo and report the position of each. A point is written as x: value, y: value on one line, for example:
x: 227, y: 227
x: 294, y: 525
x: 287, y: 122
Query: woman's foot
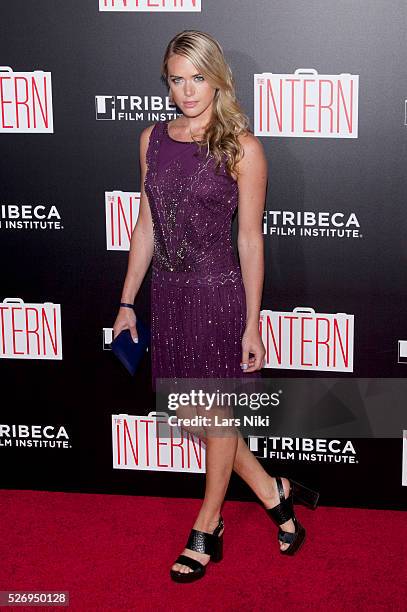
x: 272, y: 499
x: 208, y: 527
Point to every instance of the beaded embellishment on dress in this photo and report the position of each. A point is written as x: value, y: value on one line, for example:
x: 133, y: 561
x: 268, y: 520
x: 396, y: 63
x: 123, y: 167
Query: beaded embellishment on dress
x: 197, y: 293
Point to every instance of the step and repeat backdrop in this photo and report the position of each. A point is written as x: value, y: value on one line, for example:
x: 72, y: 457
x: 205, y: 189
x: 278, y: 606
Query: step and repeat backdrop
x: 324, y: 85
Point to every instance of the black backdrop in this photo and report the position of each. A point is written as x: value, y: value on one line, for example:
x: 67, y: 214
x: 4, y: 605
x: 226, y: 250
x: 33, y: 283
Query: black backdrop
x: 94, y: 56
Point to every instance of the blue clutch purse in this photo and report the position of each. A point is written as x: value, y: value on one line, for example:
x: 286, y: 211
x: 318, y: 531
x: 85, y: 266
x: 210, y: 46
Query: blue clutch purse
x: 128, y: 351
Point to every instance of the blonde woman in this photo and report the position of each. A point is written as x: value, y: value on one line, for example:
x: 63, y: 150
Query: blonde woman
x: 197, y: 170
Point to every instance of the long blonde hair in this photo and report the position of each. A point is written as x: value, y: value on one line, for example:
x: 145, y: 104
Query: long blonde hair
x: 228, y: 120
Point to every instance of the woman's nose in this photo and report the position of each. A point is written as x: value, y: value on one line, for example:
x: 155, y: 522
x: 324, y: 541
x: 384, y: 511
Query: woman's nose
x: 188, y: 89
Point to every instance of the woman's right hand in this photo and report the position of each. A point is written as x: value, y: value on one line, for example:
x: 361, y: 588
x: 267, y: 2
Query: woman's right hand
x: 126, y: 319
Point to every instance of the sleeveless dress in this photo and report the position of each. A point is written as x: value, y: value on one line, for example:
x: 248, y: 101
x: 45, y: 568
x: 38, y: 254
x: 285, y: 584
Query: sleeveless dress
x: 198, y: 303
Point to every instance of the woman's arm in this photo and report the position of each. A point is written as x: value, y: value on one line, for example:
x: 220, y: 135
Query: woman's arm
x: 252, y: 183
x: 142, y: 241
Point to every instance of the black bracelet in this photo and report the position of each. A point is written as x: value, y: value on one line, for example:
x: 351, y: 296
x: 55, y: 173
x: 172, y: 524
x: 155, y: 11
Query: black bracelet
x: 127, y: 305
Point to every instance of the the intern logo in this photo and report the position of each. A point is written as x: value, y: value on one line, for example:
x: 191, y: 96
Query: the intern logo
x: 30, y: 330
x: 306, y: 104
x: 150, y: 443
x: 121, y: 213
x: 153, y: 6
x: 308, y: 340
x: 25, y: 101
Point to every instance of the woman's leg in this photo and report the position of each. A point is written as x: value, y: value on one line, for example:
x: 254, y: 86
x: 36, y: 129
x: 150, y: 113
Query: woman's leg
x: 220, y: 457
x: 249, y: 468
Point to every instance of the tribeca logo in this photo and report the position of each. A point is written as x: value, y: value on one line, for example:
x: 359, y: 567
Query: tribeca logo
x: 402, y: 351
x: 105, y: 108
x: 288, y: 223
x: 30, y: 216
x: 25, y: 101
x: 121, y: 212
x: 107, y: 339
x: 133, y: 108
x: 319, y: 450
x: 306, y: 340
x: 34, y: 436
x: 151, y: 5
x: 306, y: 104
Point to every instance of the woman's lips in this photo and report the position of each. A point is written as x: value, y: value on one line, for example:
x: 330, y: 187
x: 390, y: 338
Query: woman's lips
x: 190, y: 104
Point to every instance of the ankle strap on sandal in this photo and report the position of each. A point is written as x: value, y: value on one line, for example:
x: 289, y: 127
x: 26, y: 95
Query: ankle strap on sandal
x: 280, y: 488
x: 219, y: 526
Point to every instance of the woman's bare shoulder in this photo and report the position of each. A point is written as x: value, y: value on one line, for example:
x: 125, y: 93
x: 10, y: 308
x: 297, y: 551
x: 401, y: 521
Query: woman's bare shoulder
x: 250, y: 142
x: 253, y: 153
x: 143, y: 144
x: 146, y: 132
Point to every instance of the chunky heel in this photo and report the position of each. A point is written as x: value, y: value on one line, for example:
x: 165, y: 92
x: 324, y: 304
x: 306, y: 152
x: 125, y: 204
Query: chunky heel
x: 304, y: 495
x: 217, y: 554
x: 284, y: 511
x: 203, y: 542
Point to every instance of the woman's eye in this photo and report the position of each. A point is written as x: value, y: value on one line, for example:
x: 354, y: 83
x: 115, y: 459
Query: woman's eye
x: 177, y: 79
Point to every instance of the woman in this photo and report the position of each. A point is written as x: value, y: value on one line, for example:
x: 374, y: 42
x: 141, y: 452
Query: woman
x: 196, y: 170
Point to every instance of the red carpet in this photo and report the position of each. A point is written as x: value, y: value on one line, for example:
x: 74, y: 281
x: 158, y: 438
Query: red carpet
x: 114, y: 552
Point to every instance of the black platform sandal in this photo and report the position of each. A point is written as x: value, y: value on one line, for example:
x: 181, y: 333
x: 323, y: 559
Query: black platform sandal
x: 203, y: 542
x: 284, y: 511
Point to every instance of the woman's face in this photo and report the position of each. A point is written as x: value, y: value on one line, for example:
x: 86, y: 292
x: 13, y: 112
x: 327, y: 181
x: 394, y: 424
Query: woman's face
x: 188, y: 85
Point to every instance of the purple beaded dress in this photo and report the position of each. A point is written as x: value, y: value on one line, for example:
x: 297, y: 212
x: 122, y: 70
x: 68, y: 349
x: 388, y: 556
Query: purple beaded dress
x: 197, y: 294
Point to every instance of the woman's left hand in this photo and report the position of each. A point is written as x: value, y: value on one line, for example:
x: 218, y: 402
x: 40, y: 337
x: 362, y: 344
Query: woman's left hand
x: 252, y: 343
